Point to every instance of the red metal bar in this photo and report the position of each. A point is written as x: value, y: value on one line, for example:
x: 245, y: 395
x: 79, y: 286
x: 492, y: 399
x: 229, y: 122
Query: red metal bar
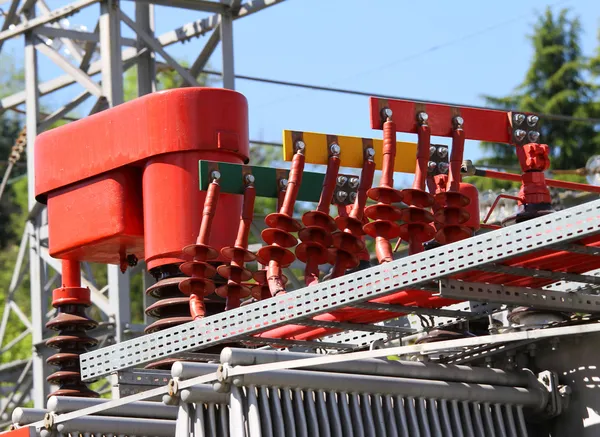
x: 500, y: 196
x: 71, y: 273
x: 480, y: 124
x: 550, y: 182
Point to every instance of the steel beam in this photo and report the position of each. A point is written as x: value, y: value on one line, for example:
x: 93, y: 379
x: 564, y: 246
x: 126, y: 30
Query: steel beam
x: 183, y: 33
x: 226, y: 30
x: 207, y: 51
x: 530, y: 297
x: 155, y: 45
x: 10, y: 17
x: 196, y: 5
x: 80, y: 76
x: 110, y: 52
x: 68, y: 34
x: 55, y: 15
x: 537, y: 273
x: 61, y: 112
x: 146, y: 65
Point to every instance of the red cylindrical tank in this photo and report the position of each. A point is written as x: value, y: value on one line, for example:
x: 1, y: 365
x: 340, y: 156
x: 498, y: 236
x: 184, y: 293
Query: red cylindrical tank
x: 472, y: 208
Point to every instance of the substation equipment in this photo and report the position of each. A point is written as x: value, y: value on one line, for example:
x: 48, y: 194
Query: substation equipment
x: 471, y: 329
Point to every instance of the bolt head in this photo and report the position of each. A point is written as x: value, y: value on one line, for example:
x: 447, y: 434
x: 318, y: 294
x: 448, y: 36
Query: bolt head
x: 443, y: 167
x: 532, y: 120
x: 387, y: 112
x: 249, y: 179
x: 300, y: 146
x: 432, y: 150
x: 283, y: 183
x: 370, y: 153
x: 215, y: 175
x: 533, y: 136
x: 442, y: 151
x: 352, y: 197
x: 335, y: 149
x: 431, y: 165
x: 341, y: 196
x: 353, y: 182
x: 341, y: 180
x: 422, y: 117
x: 520, y: 134
x: 458, y: 122
x: 518, y: 119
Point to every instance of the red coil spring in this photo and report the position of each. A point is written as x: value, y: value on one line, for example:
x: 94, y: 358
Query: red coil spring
x: 348, y: 244
x: 384, y: 227
x: 417, y: 227
x: 199, y: 270
x: 238, y: 254
x: 452, y: 215
x: 316, y: 236
x: 276, y: 254
x: 71, y: 322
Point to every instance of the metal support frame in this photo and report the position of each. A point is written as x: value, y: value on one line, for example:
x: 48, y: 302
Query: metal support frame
x: 103, y: 79
x: 405, y: 273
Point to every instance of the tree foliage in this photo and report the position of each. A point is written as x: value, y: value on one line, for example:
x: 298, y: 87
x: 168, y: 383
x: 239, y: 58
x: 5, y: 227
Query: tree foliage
x: 557, y: 82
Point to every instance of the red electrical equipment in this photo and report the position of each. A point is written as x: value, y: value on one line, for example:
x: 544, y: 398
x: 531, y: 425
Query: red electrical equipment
x: 123, y: 185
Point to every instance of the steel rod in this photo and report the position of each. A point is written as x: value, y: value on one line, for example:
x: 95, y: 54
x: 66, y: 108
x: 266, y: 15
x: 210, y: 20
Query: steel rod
x: 409, y: 369
x: 534, y: 397
x: 119, y: 425
x: 205, y: 394
x: 145, y: 409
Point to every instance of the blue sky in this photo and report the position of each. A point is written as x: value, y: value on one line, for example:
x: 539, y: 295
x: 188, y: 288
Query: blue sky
x: 438, y: 50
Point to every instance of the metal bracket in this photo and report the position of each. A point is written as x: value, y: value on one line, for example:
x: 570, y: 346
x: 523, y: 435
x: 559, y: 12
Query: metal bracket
x: 529, y: 297
x: 405, y: 273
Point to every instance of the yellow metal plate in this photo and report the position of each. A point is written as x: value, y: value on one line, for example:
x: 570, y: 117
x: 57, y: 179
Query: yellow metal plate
x: 351, y: 150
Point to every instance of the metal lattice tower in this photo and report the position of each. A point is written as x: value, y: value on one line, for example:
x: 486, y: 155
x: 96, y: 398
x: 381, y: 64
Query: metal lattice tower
x: 102, y: 80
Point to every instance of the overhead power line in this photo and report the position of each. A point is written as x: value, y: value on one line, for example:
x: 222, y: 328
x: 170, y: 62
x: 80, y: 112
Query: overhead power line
x: 558, y: 117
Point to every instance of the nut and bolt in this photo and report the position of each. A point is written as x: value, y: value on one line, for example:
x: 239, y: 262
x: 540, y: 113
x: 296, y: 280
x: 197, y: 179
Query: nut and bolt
x: 532, y: 120
x: 353, y: 182
x: 432, y: 150
x: 370, y: 153
x: 132, y: 260
x: 300, y: 146
x: 283, y: 183
x: 352, y: 197
x: 443, y: 167
x: 458, y: 122
x: 533, y: 136
x: 335, y: 149
x: 249, y: 179
x: 341, y: 196
x: 442, y: 151
x: 520, y: 134
x: 215, y: 175
x: 341, y: 180
x: 422, y: 117
x: 518, y: 119
x: 387, y: 113
x: 431, y: 165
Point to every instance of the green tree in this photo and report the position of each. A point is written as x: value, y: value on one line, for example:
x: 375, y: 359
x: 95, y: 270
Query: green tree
x: 556, y: 83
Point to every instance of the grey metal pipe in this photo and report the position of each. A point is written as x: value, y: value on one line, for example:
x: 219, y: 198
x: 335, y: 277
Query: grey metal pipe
x: 199, y: 427
x: 535, y: 398
x: 119, y: 425
x: 203, y: 393
x: 253, y: 413
x: 301, y: 427
x: 466, y: 419
x: 236, y: 413
x: 288, y: 413
x: 24, y: 416
x: 379, y: 367
x: 186, y: 370
x: 182, y: 424
x: 263, y: 404
x: 150, y: 410
x: 423, y: 420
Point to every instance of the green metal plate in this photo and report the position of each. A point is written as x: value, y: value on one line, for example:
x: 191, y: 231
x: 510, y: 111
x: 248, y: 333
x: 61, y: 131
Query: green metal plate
x: 265, y: 180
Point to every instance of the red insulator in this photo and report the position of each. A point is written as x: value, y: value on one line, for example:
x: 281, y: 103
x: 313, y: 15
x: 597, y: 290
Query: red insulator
x: 276, y: 254
x: 348, y: 245
x: 452, y: 215
x: 238, y: 254
x: 384, y: 214
x: 200, y: 272
x: 260, y: 290
x: 70, y: 300
x: 316, y: 236
x: 417, y: 227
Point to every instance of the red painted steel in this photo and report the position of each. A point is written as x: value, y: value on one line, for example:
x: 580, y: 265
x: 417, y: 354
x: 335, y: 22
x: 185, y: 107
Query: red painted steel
x: 131, y: 172
x: 483, y: 124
